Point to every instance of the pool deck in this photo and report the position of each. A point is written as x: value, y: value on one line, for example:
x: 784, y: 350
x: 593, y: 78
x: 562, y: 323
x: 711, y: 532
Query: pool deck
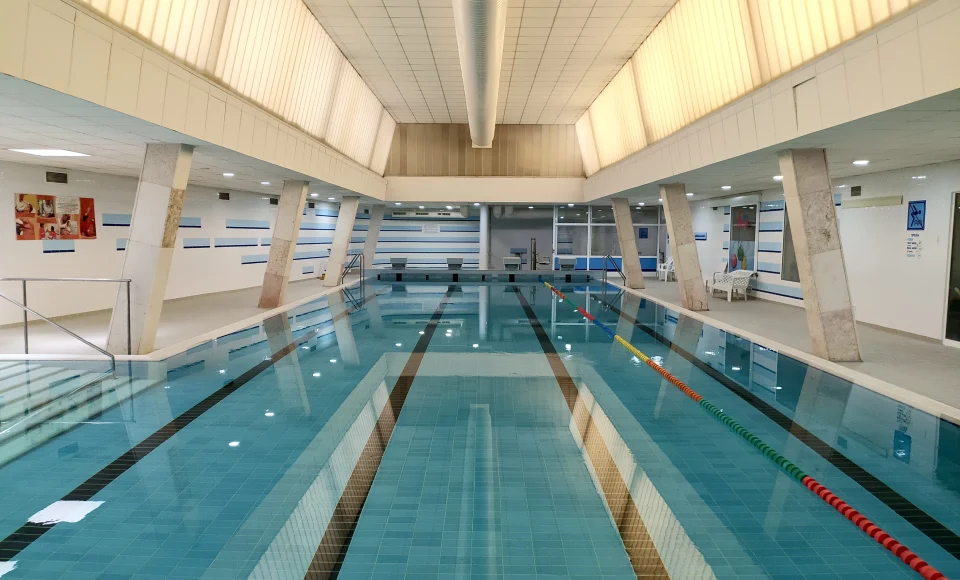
x: 912, y: 365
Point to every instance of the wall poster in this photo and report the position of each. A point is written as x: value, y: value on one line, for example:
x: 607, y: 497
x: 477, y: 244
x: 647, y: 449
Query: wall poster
x: 48, y: 217
x: 743, y: 238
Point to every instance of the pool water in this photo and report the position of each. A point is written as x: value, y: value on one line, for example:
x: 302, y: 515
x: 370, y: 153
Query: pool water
x: 487, y: 431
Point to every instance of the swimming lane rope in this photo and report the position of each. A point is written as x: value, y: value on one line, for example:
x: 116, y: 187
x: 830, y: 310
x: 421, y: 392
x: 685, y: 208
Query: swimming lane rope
x: 925, y: 570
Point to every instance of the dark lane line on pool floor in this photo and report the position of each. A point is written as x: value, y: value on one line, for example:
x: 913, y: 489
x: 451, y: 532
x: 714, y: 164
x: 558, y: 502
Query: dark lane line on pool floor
x: 636, y: 539
x: 29, y: 532
x: 933, y: 529
x: 328, y: 559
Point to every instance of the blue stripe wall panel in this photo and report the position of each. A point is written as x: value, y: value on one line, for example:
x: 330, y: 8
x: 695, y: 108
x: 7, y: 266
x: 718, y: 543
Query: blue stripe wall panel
x: 774, y: 247
x: 254, y: 259
x: 311, y: 254
x: 777, y: 289
x: 726, y: 227
x: 121, y: 244
x: 461, y: 228
x: 768, y: 267
x: 726, y: 210
x: 771, y: 206
x: 58, y: 246
x: 700, y: 236
x: 196, y: 242
x: 116, y: 219
x: 307, y: 270
x: 235, y: 224
x: 426, y: 240
x: 265, y: 241
x: 189, y: 222
x: 400, y: 228
x: 427, y: 250
x: 235, y: 242
x: 771, y: 226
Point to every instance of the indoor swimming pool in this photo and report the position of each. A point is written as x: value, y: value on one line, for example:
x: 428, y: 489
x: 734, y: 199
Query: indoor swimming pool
x: 468, y: 431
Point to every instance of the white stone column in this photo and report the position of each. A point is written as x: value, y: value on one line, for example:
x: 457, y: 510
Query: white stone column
x: 341, y: 240
x: 816, y: 242
x: 287, y: 370
x: 150, y: 244
x: 683, y: 246
x: 283, y: 245
x: 626, y: 235
x: 484, y: 236
x: 373, y: 234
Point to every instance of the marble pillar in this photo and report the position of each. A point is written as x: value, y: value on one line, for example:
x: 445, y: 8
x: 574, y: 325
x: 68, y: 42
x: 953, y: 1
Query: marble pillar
x: 341, y: 240
x: 626, y: 235
x: 484, y: 236
x: 683, y: 246
x: 816, y: 242
x: 283, y: 245
x: 343, y: 330
x: 373, y: 234
x: 150, y: 244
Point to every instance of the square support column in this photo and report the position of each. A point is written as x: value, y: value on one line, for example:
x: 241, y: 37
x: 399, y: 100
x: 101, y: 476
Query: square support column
x: 373, y: 234
x: 150, y: 244
x: 683, y: 245
x: 816, y: 241
x: 346, y: 217
x: 626, y: 235
x: 283, y: 245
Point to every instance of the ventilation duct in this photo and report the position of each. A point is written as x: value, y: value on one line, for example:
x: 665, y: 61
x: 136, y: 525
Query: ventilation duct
x: 480, y: 31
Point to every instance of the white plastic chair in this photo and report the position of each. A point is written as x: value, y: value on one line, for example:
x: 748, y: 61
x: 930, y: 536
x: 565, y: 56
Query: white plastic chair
x: 733, y: 283
x: 709, y: 282
x: 665, y: 269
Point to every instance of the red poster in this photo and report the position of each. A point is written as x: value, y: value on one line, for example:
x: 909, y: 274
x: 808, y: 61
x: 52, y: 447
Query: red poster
x: 88, y: 219
x: 25, y: 208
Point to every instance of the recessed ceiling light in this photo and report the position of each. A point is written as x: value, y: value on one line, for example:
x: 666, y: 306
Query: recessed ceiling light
x: 778, y: 178
x: 919, y: 177
x: 569, y: 205
x: 641, y: 203
x: 50, y: 152
x: 264, y: 183
x: 228, y: 175
x: 421, y: 207
x: 449, y: 207
x: 331, y: 199
x: 861, y: 162
x: 725, y: 187
x: 841, y: 186
x: 660, y: 199
x: 529, y: 207
x: 264, y: 198
x: 396, y: 203
x: 476, y: 204
x: 691, y: 195
x: 316, y: 194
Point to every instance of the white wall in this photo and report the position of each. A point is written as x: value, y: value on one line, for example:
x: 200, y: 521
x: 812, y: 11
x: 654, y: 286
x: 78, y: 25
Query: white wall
x: 194, y: 270
x: 888, y: 288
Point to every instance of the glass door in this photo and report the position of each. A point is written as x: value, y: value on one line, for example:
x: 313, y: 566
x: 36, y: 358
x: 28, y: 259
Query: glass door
x: 953, y: 277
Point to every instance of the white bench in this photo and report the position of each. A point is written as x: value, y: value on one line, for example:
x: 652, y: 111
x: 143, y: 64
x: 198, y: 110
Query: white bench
x: 733, y: 283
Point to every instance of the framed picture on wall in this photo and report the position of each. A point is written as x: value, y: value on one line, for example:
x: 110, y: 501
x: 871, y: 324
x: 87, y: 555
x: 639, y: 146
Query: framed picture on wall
x: 49, y: 217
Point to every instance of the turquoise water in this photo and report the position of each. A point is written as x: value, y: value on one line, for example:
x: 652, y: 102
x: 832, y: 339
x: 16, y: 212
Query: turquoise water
x: 489, y: 431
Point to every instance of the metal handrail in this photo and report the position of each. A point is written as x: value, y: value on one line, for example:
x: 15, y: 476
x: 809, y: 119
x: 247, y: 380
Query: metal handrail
x: 23, y: 282
x: 614, y: 262
x: 352, y: 264
x: 113, y: 360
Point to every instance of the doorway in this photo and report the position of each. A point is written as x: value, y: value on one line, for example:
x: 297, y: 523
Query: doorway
x: 952, y: 333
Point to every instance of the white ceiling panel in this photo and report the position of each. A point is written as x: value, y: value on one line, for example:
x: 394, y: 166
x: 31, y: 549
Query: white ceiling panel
x: 558, y: 54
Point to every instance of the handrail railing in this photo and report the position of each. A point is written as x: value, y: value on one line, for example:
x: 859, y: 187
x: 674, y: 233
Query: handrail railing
x: 352, y: 264
x: 23, y: 282
x: 113, y: 360
x: 615, y: 265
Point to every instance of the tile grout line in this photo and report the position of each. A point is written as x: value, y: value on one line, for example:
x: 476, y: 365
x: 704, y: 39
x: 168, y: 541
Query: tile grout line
x: 28, y: 533
x: 921, y: 520
x: 330, y: 554
x: 643, y: 554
